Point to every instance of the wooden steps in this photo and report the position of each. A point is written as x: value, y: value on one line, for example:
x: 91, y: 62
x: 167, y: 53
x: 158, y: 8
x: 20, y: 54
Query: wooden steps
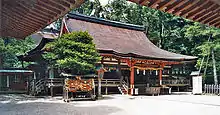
x: 123, y: 88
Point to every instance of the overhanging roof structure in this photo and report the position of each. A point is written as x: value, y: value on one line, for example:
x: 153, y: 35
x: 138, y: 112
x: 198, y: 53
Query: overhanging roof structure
x: 20, y: 18
x: 44, y: 36
x: 204, y: 11
x: 120, y: 39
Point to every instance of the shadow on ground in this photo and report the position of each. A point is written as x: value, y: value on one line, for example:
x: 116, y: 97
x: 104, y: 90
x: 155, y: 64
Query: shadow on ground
x: 21, y: 104
x: 54, y: 109
x: 14, y: 98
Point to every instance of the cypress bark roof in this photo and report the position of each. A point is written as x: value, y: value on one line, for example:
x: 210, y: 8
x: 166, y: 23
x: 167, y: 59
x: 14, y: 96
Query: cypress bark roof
x: 45, y: 36
x: 121, y: 39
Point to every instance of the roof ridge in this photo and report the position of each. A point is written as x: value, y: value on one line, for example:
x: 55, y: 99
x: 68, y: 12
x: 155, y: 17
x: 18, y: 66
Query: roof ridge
x: 105, y: 21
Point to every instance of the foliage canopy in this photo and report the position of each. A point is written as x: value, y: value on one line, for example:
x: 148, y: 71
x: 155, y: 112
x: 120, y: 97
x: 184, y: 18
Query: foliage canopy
x: 73, y: 53
x: 10, y: 48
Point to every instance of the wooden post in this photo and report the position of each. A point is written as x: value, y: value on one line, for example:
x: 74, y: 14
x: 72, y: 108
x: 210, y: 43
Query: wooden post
x: 99, y: 86
x: 8, y: 81
x: 51, y: 91
x: 119, y: 71
x: 34, y: 84
x: 131, y: 64
x: 28, y: 85
x: 100, y: 74
x: 161, y: 73
x: 106, y: 90
x: 132, y: 80
x: 209, y: 89
x: 212, y: 88
x: 160, y: 76
x: 218, y: 89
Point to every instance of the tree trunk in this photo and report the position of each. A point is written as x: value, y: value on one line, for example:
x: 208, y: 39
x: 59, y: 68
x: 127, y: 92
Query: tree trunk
x: 99, y: 87
x: 200, y: 68
x: 214, y: 68
x: 207, y: 61
x: 22, y: 63
x: 161, y: 36
x: 147, y: 27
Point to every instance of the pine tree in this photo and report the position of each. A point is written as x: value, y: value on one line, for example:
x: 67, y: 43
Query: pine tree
x: 73, y: 53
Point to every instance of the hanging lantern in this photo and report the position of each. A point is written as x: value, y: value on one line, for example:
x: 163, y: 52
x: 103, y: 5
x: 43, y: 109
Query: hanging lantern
x: 137, y: 71
x: 144, y: 72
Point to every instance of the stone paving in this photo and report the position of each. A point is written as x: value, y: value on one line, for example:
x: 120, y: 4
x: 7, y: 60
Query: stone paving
x: 111, y: 105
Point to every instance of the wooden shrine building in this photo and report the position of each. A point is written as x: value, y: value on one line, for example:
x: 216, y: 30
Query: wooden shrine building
x: 126, y: 48
x: 14, y: 80
x: 127, y: 54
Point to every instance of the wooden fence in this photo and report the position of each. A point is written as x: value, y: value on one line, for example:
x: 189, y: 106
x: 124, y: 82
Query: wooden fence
x: 177, y: 82
x: 212, y: 89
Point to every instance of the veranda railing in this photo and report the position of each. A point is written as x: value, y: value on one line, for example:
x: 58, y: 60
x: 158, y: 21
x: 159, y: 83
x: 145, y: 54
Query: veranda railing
x: 170, y: 82
x: 211, y: 89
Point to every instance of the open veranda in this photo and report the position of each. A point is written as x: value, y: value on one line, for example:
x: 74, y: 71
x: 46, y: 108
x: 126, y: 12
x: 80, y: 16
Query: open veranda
x: 184, y: 104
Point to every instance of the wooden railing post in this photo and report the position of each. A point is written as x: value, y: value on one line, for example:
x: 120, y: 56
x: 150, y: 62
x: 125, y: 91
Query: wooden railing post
x: 208, y: 86
x: 212, y: 88
x: 218, y: 89
x: 215, y: 89
x: 34, y: 84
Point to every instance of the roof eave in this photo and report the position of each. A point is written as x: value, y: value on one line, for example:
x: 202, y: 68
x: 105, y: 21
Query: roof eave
x: 105, y: 22
x: 133, y: 55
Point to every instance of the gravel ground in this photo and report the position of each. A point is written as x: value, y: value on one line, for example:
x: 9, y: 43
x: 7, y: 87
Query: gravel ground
x: 111, y: 105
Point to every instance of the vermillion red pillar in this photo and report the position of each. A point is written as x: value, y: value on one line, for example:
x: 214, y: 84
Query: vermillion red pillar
x: 131, y: 64
x: 132, y: 81
x: 160, y: 76
x: 161, y: 73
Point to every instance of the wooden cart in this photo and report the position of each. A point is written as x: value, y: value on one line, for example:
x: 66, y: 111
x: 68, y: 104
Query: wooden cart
x: 76, y: 87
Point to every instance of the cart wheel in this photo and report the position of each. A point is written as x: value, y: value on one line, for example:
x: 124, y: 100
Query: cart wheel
x: 67, y: 101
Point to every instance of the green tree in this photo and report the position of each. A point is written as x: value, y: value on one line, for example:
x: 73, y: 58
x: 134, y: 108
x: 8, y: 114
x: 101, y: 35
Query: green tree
x: 10, y: 48
x: 73, y: 53
x: 206, y: 44
x: 91, y: 8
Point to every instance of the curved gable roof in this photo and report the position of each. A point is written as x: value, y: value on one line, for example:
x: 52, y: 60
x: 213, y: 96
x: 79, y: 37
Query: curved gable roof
x: 124, y: 39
